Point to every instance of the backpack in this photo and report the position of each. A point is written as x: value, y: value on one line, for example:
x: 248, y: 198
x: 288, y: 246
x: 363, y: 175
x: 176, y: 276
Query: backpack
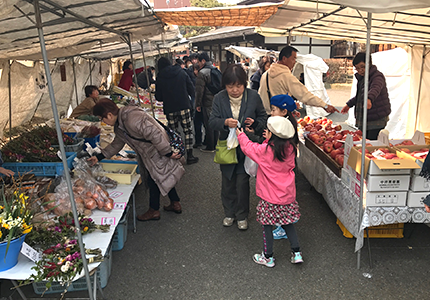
x: 215, y: 86
x: 175, y: 139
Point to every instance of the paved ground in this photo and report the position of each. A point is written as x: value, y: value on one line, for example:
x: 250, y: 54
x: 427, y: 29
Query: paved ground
x: 192, y: 256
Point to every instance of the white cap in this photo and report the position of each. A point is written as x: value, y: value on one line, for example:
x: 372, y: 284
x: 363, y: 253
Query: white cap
x: 281, y: 127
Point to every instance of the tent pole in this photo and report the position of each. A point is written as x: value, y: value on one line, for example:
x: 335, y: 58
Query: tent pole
x: 91, y: 74
x: 419, y: 87
x: 128, y: 39
x: 74, y: 79
x: 363, y: 141
x: 147, y: 78
x: 9, y: 82
x: 39, y: 27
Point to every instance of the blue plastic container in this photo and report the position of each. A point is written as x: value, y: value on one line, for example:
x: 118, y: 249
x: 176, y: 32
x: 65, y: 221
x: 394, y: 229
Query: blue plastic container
x: 41, y: 168
x: 9, y: 260
x: 120, y: 235
x: 92, y: 141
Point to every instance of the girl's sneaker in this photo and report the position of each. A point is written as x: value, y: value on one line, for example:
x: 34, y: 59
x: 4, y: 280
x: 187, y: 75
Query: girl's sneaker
x: 262, y: 260
x: 279, y: 233
x: 296, y: 257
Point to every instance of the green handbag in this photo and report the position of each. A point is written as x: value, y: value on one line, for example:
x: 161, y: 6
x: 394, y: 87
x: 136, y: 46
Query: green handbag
x: 223, y: 156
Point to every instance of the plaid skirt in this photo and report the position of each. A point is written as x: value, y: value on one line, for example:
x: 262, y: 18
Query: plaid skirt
x: 275, y: 214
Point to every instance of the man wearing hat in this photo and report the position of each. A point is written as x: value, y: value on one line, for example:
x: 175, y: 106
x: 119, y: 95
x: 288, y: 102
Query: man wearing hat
x: 279, y: 80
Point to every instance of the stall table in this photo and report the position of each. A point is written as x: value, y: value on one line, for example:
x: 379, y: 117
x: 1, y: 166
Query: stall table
x: 121, y: 195
x: 345, y: 204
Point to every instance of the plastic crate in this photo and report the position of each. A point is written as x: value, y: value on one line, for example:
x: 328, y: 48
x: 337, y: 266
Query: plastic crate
x: 103, y: 273
x: 73, y: 148
x: 131, y: 162
x: 41, y: 168
x: 392, y: 231
x: 120, y: 235
x: 120, y: 178
x: 92, y: 140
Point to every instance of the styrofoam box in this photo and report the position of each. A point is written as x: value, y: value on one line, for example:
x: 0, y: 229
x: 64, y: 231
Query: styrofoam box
x: 419, y: 184
x: 388, y: 183
x: 415, y: 199
x: 375, y: 170
x: 386, y: 198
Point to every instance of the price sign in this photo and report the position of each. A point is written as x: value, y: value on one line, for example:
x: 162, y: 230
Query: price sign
x: 30, y: 253
x: 115, y: 194
x: 108, y: 221
x: 122, y: 153
x: 119, y: 205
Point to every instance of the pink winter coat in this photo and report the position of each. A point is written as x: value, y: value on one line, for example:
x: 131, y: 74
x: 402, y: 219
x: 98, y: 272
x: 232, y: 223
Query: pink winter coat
x: 275, y: 179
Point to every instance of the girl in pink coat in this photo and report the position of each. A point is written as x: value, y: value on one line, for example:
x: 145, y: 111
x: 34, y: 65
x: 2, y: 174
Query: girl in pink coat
x: 275, y: 183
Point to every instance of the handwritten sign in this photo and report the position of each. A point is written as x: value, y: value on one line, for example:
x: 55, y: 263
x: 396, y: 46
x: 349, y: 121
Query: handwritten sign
x: 119, y: 205
x: 115, y: 194
x: 108, y: 221
x: 30, y: 253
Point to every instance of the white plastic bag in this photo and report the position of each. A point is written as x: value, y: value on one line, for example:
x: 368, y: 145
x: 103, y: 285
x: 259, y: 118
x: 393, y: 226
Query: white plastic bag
x: 250, y: 167
x: 232, y: 141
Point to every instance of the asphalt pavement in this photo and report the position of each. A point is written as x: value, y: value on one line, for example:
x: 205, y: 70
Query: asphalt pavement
x: 192, y: 256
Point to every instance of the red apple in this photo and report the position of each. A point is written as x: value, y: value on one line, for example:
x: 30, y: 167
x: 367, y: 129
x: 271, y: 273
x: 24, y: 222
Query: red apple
x: 318, y: 127
x: 328, y: 147
x: 405, y: 150
x: 313, y: 137
x: 355, y: 138
x: 359, y: 132
x: 338, y: 136
x: 334, y: 153
x: 337, y: 145
x: 338, y: 127
x: 307, y: 119
x: 339, y: 159
x: 303, y: 123
x: 328, y: 127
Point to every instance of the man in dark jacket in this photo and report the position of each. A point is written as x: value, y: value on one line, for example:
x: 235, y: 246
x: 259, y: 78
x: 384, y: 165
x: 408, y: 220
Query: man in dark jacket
x: 142, y: 78
x: 204, y: 99
x: 378, y: 102
x: 174, y: 88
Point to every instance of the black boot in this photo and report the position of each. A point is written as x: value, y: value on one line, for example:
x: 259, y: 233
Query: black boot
x: 191, y: 159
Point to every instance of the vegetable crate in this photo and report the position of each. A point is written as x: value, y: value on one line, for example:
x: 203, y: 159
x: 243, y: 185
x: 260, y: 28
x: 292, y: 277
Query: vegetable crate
x: 93, y: 141
x: 130, y: 162
x: 41, y: 168
x: 120, y: 235
x: 393, y: 231
x: 121, y: 178
x: 103, y: 273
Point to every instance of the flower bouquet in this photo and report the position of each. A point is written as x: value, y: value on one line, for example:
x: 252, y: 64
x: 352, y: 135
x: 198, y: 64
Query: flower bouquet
x: 62, y: 263
x: 63, y: 227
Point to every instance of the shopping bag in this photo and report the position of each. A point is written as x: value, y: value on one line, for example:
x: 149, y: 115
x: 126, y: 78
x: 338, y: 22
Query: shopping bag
x: 232, y: 141
x: 250, y: 167
x: 223, y: 155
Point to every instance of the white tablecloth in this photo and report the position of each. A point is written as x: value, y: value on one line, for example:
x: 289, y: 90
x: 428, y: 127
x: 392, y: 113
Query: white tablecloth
x: 345, y: 204
x: 121, y: 194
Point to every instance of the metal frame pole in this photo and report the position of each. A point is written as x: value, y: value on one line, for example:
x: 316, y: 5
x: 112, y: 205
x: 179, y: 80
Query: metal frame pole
x: 91, y: 73
x: 128, y: 40
x: 147, y: 78
x: 419, y: 87
x: 39, y: 27
x: 9, y: 82
x: 74, y: 79
x: 363, y: 142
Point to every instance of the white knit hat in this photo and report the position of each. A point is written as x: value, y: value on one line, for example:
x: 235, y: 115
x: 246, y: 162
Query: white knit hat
x: 281, y: 127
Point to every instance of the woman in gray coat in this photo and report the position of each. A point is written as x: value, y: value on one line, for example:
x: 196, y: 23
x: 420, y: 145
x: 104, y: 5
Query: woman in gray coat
x: 134, y: 127
x: 235, y: 104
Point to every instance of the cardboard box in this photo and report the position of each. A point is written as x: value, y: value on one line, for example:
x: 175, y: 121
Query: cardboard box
x: 419, y: 161
x: 419, y: 184
x: 418, y: 139
x: 415, y: 199
x: 386, y: 198
x: 379, y: 166
x: 387, y: 183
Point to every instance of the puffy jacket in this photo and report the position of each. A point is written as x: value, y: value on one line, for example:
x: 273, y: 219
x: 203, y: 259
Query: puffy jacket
x: 281, y: 81
x: 174, y: 88
x: 203, y: 96
x: 378, y: 95
x: 133, y: 121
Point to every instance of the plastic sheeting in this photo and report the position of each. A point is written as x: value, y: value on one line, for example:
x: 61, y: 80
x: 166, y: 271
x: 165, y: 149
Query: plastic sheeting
x: 394, y: 64
x: 314, y: 67
x: 30, y: 97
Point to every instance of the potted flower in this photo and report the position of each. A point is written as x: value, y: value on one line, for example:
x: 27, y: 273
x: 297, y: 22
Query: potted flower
x: 15, y: 219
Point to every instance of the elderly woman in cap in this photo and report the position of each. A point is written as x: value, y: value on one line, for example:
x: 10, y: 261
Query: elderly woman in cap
x: 233, y: 105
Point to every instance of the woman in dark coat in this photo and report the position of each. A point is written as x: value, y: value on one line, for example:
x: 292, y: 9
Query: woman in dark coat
x: 378, y: 102
x: 264, y: 65
x: 235, y: 104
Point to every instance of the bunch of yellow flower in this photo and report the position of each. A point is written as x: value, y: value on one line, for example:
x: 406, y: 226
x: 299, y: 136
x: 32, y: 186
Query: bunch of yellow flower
x: 15, y: 215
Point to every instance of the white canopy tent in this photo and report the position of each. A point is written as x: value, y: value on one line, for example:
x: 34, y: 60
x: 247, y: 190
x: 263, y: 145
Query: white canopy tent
x: 311, y: 65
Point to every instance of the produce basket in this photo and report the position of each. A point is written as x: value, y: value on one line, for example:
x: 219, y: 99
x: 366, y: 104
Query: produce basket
x: 110, y: 170
x: 131, y: 162
x: 393, y: 231
x: 103, y: 273
x: 92, y: 140
x: 73, y: 148
x: 41, y: 168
